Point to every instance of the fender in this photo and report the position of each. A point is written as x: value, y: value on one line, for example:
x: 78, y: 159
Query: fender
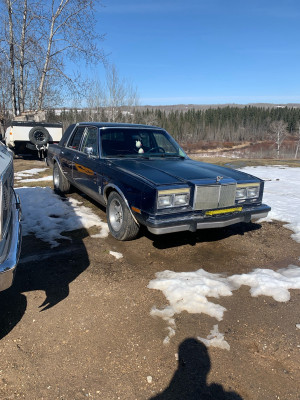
x: 119, y: 191
x: 55, y: 159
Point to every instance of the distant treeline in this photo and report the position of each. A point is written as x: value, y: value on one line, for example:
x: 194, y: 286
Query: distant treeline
x: 230, y: 123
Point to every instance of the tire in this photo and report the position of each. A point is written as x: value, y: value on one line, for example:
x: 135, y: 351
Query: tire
x: 121, y: 224
x: 60, y: 182
x: 39, y: 135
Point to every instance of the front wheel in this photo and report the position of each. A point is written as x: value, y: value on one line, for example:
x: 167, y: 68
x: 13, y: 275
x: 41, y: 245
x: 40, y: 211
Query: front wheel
x: 120, y: 221
x: 60, y: 182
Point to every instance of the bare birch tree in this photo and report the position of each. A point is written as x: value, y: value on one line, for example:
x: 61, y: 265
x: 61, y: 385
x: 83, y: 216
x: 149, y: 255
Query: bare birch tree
x: 119, y: 92
x: 298, y: 140
x: 11, y: 55
x: 15, y: 45
x: 69, y: 28
x: 42, y: 40
x: 111, y: 95
x: 95, y: 99
x: 22, y: 59
x: 278, y: 132
x: 4, y: 93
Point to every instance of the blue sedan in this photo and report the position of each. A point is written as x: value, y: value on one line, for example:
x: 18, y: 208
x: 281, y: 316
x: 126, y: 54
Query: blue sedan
x: 143, y: 177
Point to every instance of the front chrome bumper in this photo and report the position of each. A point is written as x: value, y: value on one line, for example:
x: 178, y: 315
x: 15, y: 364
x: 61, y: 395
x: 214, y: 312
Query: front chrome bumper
x: 8, y: 266
x: 194, y: 222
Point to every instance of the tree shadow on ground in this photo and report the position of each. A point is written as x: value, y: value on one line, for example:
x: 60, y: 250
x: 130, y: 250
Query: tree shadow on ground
x: 190, y: 380
x: 202, y: 235
x: 42, y: 269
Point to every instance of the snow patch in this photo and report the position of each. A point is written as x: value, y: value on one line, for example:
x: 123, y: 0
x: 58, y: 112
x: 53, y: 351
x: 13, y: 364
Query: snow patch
x: 46, y: 215
x: 215, y: 339
x: 116, y: 254
x: 271, y: 283
x: 189, y: 291
x: 28, y: 172
x: 45, y: 178
x: 282, y: 193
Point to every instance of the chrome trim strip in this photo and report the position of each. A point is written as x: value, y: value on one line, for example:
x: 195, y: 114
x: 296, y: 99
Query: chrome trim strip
x: 206, y: 225
x: 169, y: 229
x: 259, y: 216
x: 200, y: 225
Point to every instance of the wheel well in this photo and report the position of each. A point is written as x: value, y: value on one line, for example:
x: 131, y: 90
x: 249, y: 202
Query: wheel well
x: 55, y: 162
x: 109, y: 191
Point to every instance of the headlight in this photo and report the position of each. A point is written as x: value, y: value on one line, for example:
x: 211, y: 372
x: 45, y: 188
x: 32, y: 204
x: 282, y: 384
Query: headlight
x: 181, y: 199
x: 247, y: 191
x: 173, y: 198
x: 241, y: 193
x: 164, y: 201
x: 253, y: 192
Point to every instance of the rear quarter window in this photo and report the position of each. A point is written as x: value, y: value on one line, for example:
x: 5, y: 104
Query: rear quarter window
x: 66, y: 135
x: 75, y: 140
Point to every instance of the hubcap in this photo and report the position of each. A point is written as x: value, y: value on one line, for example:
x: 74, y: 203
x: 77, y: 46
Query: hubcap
x: 55, y: 177
x: 116, y: 215
x: 39, y: 136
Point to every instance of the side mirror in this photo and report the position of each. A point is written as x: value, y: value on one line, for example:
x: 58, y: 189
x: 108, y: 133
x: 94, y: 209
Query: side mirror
x: 88, y: 151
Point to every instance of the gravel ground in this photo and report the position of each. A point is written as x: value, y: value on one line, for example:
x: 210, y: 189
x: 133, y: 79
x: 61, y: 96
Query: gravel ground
x: 76, y: 324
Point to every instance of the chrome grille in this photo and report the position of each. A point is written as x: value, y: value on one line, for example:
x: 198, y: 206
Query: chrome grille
x: 214, y: 196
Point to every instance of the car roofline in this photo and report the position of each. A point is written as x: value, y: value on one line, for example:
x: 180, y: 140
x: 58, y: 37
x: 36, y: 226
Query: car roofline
x: 118, y: 125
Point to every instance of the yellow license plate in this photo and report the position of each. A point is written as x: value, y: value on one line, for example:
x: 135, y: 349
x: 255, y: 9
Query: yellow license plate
x: 224, y: 211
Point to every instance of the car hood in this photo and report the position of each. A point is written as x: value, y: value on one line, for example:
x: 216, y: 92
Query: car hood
x: 161, y: 171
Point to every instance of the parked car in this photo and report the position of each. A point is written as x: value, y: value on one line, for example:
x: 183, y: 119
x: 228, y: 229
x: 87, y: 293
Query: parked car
x: 10, y: 215
x: 143, y: 177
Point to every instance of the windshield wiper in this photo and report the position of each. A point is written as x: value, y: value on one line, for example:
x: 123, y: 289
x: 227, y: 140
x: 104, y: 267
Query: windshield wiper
x: 179, y: 156
x: 170, y: 155
x: 115, y: 155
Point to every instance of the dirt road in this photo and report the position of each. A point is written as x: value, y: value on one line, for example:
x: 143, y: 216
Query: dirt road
x: 76, y: 324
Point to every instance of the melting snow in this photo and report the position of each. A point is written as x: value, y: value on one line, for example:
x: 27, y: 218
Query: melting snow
x: 44, y: 178
x: 116, y: 254
x: 29, y: 172
x: 215, y: 339
x: 271, y: 283
x: 282, y: 193
x: 46, y: 215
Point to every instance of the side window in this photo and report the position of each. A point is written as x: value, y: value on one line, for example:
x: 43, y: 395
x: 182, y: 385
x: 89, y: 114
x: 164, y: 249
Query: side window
x: 91, y: 140
x: 76, y: 138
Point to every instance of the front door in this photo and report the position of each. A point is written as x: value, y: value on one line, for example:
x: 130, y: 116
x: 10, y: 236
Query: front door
x: 70, y: 151
x: 87, y: 165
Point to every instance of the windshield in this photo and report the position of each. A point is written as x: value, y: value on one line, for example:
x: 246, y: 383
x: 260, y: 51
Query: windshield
x: 138, y: 142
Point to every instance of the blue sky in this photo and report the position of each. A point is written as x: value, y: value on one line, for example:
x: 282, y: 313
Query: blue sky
x: 205, y: 52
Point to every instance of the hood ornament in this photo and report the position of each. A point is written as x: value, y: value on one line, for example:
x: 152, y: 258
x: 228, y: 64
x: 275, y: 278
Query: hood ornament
x: 218, y: 178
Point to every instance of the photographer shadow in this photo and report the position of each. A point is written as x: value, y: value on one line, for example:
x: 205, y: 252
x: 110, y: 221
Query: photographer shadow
x: 190, y: 380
